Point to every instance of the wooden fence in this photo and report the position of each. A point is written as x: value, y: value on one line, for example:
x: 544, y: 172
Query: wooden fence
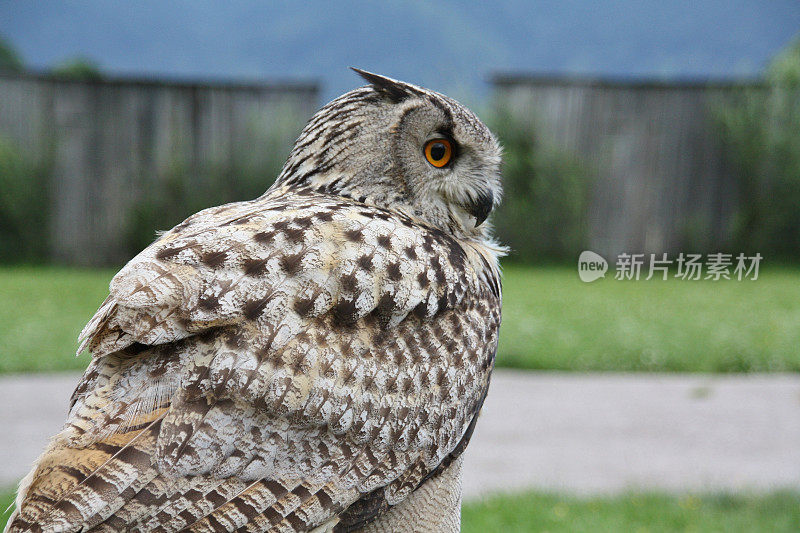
x: 662, y: 179
x: 106, y: 141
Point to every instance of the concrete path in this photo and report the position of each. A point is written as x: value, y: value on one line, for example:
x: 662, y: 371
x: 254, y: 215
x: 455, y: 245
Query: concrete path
x: 568, y: 432
x: 612, y: 432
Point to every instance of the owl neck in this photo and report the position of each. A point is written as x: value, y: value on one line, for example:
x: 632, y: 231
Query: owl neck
x: 432, y: 212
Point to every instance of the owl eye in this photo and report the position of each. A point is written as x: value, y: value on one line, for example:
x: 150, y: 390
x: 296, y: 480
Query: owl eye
x: 438, y: 152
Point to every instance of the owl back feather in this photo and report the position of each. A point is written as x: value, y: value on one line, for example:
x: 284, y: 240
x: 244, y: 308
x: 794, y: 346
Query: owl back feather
x: 306, y: 360
x: 254, y: 370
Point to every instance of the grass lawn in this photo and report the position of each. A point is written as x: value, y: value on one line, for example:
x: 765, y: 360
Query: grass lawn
x: 43, y: 311
x: 6, y: 498
x: 652, y: 513
x: 554, y: 321
x: 551, y: 320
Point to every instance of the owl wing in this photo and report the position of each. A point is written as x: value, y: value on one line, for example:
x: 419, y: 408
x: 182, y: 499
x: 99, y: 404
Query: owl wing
x: 266, y: 365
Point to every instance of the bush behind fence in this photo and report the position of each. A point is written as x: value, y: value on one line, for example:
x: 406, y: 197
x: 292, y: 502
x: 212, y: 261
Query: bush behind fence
x: 651, y: 167
x: 91, y: 169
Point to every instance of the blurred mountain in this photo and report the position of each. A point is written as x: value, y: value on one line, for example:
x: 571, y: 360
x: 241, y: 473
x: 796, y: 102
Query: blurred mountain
x: 448, y: 45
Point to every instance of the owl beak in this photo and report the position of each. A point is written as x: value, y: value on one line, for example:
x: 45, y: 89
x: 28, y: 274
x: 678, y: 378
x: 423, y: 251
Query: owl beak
x: 481, y: 207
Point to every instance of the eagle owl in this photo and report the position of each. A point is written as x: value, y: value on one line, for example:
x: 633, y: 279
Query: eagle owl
x: 312, y: 360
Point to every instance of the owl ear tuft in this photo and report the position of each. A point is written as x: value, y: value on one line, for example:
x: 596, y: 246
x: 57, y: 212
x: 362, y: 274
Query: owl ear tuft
x: 396, y: 91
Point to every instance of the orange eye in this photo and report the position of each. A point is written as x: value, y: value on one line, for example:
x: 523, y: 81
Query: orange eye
x: 438, y: 152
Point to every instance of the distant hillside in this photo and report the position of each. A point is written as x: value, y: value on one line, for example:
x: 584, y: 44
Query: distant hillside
x: 448, y: 45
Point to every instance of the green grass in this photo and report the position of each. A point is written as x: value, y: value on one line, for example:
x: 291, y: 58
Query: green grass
x: 652, y: 513
x: 6, y: 498
x: 554, y: 321
x: 551, y: 320
x: 43, y: 311
x: 534, y: 511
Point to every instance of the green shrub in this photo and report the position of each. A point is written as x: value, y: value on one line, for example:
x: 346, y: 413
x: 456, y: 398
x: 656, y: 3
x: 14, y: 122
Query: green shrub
x: 24, y: 205
x: 78, y: 68
x: 185, y: 188
x: 761, y: 129
x: 10, y: 60
x: 543, y: 214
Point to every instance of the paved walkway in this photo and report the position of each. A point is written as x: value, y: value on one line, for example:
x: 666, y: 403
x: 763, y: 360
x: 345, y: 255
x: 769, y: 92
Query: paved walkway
x: 571, y: 432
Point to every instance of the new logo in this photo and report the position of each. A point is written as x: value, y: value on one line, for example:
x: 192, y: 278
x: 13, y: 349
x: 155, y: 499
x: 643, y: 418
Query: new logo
x: 591, y: 266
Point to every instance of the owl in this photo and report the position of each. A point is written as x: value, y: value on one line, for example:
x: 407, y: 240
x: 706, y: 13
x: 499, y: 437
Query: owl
x: 311, y: 360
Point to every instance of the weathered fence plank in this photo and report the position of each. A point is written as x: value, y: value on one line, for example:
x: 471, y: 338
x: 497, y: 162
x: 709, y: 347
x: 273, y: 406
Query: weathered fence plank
x: 662, y: 182
x: 108, y: 141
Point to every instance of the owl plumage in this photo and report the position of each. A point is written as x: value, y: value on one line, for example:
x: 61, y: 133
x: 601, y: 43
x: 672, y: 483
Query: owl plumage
x: 312, y: 359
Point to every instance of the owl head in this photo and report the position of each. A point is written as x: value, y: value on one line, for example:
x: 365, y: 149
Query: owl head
x: 398, y: 146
